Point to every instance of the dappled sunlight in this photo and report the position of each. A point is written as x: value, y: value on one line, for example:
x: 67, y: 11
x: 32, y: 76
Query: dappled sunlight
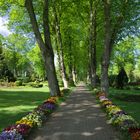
x: 98, y: 128
x: 60, y: 134
x: 14, y: 104
x: 16, y: 109
x: 77, y: 118
x: 95, y: 106
x: 83, y: 90
x: 87, y: 134
x: 26, y: 89
x: 102, y: 115
x: 79, y: 110
x: 69, y: 106
x: 63, y: 104
x: 59, y: 114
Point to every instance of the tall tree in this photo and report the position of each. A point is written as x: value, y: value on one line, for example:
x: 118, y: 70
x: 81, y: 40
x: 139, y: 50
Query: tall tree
x: 107, y: 49
x: 44, y: 44
x: 60, y: 49
x: 120, y: 17
x: 92, y: 42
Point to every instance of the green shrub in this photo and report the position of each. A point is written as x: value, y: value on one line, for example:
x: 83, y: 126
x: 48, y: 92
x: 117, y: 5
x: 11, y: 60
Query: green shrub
x: 18, y: 83
x: 2, y: 80
x: 37, y: 85
x: 112, y: 80
x: 34, y: 84
x: 26, y: 80
x: 24, y: 84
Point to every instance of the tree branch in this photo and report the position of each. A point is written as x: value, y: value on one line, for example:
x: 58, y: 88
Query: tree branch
x: 46, y: 26
x: 30, y: 9
x: 117, y: 25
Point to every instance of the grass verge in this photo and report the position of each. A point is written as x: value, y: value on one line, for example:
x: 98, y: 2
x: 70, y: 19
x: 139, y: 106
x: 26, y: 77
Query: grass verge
x: 128, y: 100
x: 17, y: 102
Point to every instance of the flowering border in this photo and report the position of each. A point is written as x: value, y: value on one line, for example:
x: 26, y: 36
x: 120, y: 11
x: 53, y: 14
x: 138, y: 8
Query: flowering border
x: 118, y: 117
x: 21, y: 129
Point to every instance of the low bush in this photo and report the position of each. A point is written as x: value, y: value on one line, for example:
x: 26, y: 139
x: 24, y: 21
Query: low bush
x: 26, y: 80
x: 18, y: 83
x: 36, y: 85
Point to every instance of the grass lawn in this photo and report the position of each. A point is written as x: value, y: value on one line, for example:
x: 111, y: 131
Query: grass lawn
x: 17, y: 102
x: 128, y: 100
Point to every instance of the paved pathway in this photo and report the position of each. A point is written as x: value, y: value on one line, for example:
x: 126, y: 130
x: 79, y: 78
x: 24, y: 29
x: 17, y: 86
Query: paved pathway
x: 79, y: 118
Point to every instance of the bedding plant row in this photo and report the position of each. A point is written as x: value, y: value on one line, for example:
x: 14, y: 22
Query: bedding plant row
x: 118, y: 117
x: 21, y: 129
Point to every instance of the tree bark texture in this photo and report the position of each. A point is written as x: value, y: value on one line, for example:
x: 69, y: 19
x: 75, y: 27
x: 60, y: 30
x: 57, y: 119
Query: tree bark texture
x: 70, y: 65
x: 45, y: 45
x: 74, y: 74
x: 93, y: 35
x: 107, y: 49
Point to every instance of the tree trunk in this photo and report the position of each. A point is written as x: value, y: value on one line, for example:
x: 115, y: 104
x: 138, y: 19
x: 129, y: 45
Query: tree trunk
x: 104, y: 78
x: 45, y: 46
x: 107, y: 50
x: 58, y: 53
x: 74, y: 75
x: 93, y: 34
x: 61, y: 56
x: 71, y: 82
x: 51, y: 75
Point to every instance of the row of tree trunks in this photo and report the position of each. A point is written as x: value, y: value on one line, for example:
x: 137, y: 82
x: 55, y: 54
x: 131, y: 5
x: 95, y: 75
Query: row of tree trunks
x: 45, y: 45
x: 107, y: 45
x: 47, y: 51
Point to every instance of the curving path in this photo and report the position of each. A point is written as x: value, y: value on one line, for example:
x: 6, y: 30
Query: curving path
x: 79, y: 118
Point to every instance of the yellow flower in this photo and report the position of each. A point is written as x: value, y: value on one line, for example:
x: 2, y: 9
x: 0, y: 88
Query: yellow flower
x: 25, y: 121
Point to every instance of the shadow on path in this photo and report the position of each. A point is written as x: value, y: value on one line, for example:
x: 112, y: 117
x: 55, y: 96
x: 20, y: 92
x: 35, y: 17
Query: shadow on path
x: 79, y: 118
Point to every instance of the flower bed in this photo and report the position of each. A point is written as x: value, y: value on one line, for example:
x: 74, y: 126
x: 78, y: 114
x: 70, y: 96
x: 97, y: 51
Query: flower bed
x: 118, y: 117
x: 21, y: 129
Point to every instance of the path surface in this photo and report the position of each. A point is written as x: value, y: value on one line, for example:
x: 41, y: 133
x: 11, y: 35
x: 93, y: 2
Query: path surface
x: 79, y: 118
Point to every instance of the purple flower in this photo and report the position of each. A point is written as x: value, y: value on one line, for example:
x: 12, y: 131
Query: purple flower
x: 48, y: 106
x: 23, y: 129
x: 10, y: 135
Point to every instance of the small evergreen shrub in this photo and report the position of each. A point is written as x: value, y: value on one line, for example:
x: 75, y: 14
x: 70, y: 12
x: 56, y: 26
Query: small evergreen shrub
x: 18, y: 83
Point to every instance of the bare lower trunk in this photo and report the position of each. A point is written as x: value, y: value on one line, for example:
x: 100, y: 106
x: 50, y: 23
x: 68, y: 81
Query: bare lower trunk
x: 51, y: 75
x: 107, y: 49
x: 58, y: 52
x: 71, y: 82
x: 63, y: 73
x: 90, y: 74
x: 104, y: 79
x: 74, y: 75
x: 94, y: 79
x: 61, y: 67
